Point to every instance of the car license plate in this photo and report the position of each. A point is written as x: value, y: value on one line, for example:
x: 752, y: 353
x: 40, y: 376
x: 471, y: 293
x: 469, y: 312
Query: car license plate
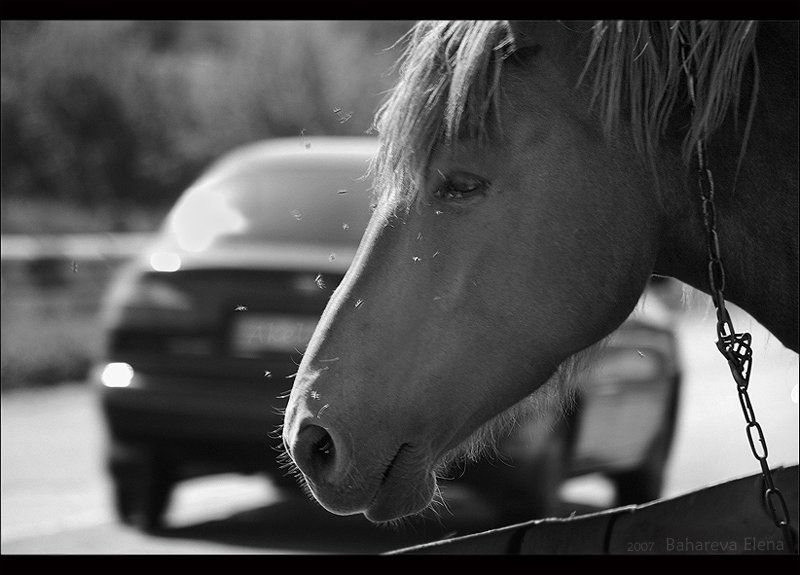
x: 254, y: 334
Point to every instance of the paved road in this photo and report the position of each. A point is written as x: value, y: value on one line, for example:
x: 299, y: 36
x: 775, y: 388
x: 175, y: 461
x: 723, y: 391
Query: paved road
x: 55, y: 497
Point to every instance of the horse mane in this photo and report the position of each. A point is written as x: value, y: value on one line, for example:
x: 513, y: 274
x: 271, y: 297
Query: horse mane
x: 639, y: 66
x: 450, y: 77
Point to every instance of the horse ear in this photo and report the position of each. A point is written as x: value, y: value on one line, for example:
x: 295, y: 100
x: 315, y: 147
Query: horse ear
x: 539, y: 34
x: 524, y: 32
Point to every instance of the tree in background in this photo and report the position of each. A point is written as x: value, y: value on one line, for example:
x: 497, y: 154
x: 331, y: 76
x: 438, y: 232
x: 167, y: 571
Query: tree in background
x: 110, y: 116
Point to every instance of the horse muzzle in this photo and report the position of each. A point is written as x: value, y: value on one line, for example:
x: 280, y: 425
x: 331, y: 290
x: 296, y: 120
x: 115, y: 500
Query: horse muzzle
x: 325, y: 463
x: 383, y: 488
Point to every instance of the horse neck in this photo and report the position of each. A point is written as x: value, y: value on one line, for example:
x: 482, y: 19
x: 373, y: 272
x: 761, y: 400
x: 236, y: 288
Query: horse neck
x: 757, y: 210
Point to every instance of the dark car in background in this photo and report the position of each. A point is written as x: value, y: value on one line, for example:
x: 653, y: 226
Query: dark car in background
x: 206, y: 328
x: 621, y: 424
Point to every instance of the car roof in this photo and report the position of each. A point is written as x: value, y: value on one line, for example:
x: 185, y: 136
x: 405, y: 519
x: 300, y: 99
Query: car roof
x: 332, y: 222
x: 289, y: 152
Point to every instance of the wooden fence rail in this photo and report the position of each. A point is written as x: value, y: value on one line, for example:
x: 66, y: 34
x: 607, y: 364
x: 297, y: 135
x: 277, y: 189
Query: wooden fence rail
x: 727, y: 518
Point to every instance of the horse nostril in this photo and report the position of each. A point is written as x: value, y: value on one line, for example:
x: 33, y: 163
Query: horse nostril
x: 325, y: 445
x: 314, y: 451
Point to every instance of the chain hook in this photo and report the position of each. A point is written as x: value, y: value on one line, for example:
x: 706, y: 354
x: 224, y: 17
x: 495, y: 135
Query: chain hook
x: 735, y: 347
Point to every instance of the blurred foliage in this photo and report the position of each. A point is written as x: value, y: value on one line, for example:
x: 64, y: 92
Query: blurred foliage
x: 119, y: 116
x: 50, y: 322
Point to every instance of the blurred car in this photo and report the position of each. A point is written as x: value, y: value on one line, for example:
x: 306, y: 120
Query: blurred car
x: 205, y: 329
x: 620, y: 425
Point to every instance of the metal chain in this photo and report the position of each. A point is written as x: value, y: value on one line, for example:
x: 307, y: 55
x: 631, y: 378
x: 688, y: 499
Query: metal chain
x: 735, y: 347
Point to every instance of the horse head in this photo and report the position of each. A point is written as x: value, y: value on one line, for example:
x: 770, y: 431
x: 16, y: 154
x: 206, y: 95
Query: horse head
x: 513, y: 232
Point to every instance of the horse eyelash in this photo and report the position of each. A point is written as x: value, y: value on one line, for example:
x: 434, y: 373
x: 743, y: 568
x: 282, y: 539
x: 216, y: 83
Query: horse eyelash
x: 445, y: 190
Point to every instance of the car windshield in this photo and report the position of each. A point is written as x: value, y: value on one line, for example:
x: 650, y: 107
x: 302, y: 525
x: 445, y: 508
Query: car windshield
x: 320, y: 200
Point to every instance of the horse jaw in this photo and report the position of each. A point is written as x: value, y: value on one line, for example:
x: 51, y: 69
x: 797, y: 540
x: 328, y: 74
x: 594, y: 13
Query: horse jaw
x: 557, y: 396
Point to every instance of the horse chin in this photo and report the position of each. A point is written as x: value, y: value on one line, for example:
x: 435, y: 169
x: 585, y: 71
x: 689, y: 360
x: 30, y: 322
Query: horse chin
x: 407, y: 488
x: 401, y: 497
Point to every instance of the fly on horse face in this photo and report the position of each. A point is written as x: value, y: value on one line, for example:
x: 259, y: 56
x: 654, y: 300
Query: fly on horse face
x: 531, y: 177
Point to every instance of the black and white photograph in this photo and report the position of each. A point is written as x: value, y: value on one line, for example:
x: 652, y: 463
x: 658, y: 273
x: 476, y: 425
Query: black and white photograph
x: 404, y: 287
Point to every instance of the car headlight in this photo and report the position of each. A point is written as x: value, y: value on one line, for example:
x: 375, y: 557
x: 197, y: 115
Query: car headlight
x: 165, y: 261
x: 116, y: 374
x: 137, y: 298
x: 155, y: 294
x: 146, y: 291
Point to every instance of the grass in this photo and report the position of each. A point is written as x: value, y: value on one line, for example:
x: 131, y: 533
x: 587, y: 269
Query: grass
x: 31, y: 215
x: 50, y: 333
x: 50, y: 328
x: 47, y: 352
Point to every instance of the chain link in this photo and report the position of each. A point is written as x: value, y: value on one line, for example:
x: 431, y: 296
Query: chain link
x: 735, y: 347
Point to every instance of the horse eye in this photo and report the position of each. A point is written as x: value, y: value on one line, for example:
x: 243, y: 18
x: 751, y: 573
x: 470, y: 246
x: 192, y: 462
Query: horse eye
x: 459, y: 186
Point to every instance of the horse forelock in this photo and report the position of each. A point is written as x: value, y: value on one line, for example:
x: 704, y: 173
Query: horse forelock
x: 450, y: 76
